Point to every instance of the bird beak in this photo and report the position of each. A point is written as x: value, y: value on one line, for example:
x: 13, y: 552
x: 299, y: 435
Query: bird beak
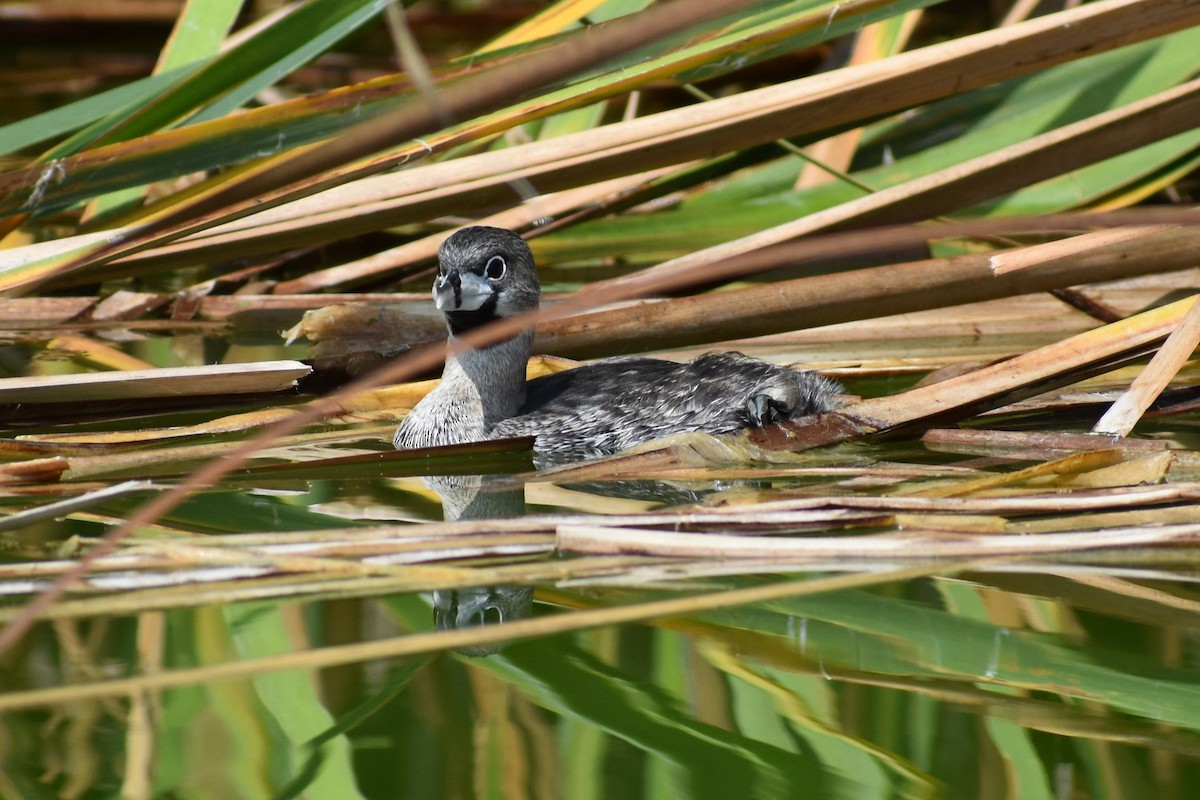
x: 461, y: 291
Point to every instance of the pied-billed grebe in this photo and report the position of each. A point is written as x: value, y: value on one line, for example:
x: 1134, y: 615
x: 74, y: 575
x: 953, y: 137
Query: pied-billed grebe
x: 603, y: 406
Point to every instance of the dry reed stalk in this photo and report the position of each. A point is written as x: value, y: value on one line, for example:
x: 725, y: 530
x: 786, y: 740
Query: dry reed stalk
x: 425, y: 249
x: 216, y: 379
x: 46, y: 310
x: 77, y: 312
x: 1124, y: 414
x: 857, y: 294
x: 415, y: 578
x: 97, y: 353
x: 159, y: 462
x: 364, y: 558
x: 359, y: 410
x: 1036, y: 501
x: 1138, y: 591
x: 1146, y: 469
x: 1041, y: 254
x: 61, y: 508
x: 1067, y: 465
x: 1040, y: 445
x: 1126, y: 518
x: 908, y: 546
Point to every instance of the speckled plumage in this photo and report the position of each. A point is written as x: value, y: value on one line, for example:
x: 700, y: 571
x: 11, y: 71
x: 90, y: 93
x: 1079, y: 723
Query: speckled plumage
x: 616, y: 403
x: 602, y: 406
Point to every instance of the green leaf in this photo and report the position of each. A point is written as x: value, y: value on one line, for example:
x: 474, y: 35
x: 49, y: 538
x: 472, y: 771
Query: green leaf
x: 199, y: 32
x: 714, y: 763
x: 258, y: 630
x: 889, y: 636
x: 73, y: 116
x: 215, y: 87
x: 1030, y: 781
x: 290, y: 43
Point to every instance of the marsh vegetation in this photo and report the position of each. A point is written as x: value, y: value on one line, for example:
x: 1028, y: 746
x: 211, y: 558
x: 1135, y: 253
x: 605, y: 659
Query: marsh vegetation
x: 975, y: 579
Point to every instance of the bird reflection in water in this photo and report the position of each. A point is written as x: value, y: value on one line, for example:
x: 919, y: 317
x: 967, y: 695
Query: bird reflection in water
x: 479, y: 497
x: 481, y: 605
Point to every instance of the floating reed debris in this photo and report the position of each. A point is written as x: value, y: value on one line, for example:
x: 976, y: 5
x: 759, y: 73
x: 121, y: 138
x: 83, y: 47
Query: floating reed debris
x: 217, y: 379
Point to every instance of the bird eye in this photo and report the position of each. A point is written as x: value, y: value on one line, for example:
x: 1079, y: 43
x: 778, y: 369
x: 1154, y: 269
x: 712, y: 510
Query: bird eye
x: 496, y: 268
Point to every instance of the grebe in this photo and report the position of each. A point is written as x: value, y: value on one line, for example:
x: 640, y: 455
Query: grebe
x: 600, y: 407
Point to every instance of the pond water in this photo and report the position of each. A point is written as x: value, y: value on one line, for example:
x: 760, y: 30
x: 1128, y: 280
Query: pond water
x: 877, y: 679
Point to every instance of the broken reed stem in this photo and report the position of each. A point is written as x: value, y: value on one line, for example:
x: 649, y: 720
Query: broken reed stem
x: 1124, y: 414
x: 1019, y: 258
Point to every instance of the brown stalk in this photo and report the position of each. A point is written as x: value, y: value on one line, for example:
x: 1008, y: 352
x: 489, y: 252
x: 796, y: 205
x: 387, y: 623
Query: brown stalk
x: 1042, y: 445
x: 1024, y: 257
x: 262, y: 376
x: 1088, y: 461
x: 840, y: 297
x: 161, y: 461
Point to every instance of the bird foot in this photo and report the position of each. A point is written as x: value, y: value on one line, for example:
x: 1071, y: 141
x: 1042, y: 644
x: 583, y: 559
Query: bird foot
x: 766, y: 410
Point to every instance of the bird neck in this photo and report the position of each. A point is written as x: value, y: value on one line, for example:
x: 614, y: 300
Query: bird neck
x: 493, y: 376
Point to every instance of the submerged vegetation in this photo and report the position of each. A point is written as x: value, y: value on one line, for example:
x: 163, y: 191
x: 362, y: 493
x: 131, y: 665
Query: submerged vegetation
x: 974, y: 579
